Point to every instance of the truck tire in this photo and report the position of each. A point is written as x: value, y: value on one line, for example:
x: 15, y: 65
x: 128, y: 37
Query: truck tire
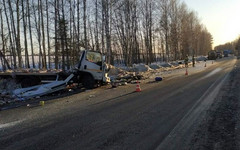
x: 88, y: 82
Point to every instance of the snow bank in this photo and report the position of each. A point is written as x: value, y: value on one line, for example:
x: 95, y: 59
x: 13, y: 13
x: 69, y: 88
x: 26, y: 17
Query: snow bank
x: 201, y: 58
x: 141, y: 68
x: 174, y: 63
x: 115, y: 70
x: 165, y: 64
x: 116, y: 73
x: 155, y: 66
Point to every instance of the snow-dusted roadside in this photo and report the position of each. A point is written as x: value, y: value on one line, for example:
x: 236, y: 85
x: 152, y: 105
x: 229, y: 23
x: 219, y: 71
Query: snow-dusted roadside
x: 221, y: 127
x: 100, y: 93
x: 158, y: 70
x: 66, y: 105
x: 140, y: 72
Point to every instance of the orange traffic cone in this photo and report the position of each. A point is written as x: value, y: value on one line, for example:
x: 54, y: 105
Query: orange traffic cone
x: 205, y: 65
x: 186, y: 72
x: 138, y: 89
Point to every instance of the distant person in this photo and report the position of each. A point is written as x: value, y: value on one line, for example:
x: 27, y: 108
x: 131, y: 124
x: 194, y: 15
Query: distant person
x: 193, y: 61
x: 186, y: 61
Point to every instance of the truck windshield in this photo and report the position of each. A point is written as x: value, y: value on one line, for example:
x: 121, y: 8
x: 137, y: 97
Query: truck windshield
x: 94, y: 57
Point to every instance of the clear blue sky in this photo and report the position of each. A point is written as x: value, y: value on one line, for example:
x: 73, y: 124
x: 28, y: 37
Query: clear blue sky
x: 221, y: 17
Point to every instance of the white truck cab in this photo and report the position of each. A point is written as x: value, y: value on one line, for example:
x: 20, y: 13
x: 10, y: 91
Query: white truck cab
x: 92, y: 69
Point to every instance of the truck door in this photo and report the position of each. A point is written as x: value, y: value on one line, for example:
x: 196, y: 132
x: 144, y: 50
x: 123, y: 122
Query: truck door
x: 93, y: 64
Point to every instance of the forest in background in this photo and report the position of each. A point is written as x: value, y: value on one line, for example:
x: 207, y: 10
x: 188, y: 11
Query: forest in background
x: 233, y: 46
x: 49, y: 34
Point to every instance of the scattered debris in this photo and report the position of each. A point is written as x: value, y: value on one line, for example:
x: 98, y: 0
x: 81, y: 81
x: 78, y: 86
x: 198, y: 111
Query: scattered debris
x: 41, y: 103
x: 2, y: 102
x: 158, y: 79
x: 91, y: 96
x: 12, y: 93
x: 39, y: 90
x: 124, y: 83
x: 114, y: 84
x: 7, y: 86
x: 32, y: 71
x: 121, y: 77
x: 135, y: 82
x: 33, y: 105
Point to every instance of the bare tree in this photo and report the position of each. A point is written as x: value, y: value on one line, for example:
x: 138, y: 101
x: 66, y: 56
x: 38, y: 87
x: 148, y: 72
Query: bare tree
x: 106, y: 4
x: 103, y: 28
x: 25, y: 36
x: 78, y: 25
x: 85, y: 24
x: 13, y: 52
x: 37, y: 21
x: 56, y: 22
x: 96, y: 26
x: 3, y: 51
x: 18, y: 44
x: 164, y: 22
x: 30, y: 32
x: 127, y: 31
x: 174, y: 29
x: 16, y: 35
x: 48, y: 36
x: 43, y: 35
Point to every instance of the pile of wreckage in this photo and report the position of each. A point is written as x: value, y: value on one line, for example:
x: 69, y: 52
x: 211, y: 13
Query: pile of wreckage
x: 124, y: 75
x: 11, y: 92
x: 32, y: 71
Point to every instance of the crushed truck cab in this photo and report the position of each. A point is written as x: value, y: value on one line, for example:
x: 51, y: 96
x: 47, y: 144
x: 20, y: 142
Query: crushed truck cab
x: 91, y: 69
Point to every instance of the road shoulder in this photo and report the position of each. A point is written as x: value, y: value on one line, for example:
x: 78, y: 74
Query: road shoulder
x: 221, y: 127
x: 181, y: 135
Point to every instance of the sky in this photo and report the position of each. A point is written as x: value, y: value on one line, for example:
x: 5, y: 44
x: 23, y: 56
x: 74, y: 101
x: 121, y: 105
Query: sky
x: 221, y: 17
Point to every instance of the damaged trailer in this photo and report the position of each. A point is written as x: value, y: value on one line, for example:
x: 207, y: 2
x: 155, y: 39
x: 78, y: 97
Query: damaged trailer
x: 39, y: 90
x: 90, y: 71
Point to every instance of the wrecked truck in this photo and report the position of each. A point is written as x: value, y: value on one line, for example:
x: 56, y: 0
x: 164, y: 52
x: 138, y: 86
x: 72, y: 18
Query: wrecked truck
x: 90, y: 71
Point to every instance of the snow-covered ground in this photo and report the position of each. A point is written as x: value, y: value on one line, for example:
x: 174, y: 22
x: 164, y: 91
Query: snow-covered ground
x: 123, y: 75
x: 161, y: 69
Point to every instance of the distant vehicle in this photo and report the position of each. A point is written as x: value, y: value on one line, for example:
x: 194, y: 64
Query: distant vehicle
x: 219, y: 54
x: 212, y: 55
x: 225, y: 53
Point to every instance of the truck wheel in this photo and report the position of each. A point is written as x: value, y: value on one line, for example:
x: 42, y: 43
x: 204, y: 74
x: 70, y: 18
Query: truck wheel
x: 88, y: 82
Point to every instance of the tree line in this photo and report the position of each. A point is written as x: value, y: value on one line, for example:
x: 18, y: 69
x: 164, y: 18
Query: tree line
x: 50, y: 34
x: 234, y: 46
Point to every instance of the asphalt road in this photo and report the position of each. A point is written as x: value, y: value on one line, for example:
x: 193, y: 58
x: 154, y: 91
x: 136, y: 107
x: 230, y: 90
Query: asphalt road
x: 145, y: 120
